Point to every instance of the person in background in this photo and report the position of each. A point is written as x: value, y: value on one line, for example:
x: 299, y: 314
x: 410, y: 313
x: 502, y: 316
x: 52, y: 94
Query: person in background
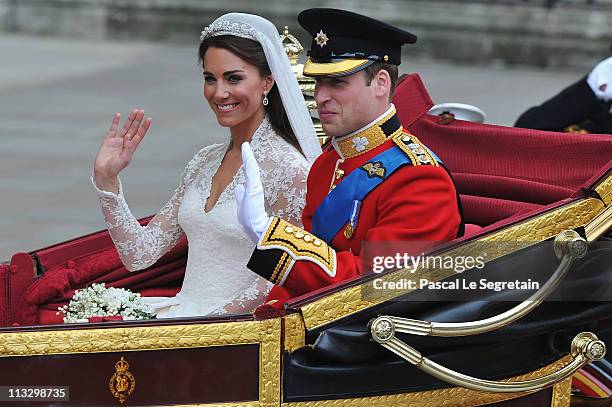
x: 583, y: 106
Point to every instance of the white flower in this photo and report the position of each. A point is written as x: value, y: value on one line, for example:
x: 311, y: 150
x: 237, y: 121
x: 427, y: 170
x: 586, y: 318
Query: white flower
x: 99, y: 301
x: 360, y: 143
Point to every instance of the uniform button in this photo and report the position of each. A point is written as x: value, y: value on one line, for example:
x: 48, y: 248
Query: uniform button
x: 339, y: 173
x: 289, y: 229
x: 424, y: 159
x: 307, y: 238
x: 317, y: 242
x: 299, y: 234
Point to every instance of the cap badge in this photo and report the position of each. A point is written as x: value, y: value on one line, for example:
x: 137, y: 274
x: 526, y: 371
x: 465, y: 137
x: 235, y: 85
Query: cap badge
x: 321, y: 39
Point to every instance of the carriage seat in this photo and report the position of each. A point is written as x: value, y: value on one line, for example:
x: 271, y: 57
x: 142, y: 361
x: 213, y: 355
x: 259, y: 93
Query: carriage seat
x: 502, y: 173
x: 81, y: 262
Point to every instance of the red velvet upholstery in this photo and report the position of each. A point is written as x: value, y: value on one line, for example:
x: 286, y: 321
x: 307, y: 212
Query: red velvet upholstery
x: 502, y: 171
x: 57, y: 285
x: 5, y: 308
x: 471, y: 229
x: 16, y: 278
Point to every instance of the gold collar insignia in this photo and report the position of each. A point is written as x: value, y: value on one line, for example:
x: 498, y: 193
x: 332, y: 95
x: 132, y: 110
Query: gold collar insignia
x: 369, y: 138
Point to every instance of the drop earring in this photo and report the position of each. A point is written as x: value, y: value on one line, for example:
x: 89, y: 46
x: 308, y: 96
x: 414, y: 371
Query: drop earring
x: 265, y: 99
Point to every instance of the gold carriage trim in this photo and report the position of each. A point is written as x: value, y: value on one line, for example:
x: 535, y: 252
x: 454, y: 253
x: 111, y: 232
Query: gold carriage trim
x: 604, y: 189
x: 453, y: 396
x: 297, y: 244
x: 419, y: 154
x: 369, y: 138
x: 294, y: 332
x: 266, y: 333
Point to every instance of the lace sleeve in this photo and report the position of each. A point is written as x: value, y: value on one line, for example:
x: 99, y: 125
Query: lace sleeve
x: 141, y: 246
x: 285, y: 186
x: 291, y: 199
x: 248, y: 300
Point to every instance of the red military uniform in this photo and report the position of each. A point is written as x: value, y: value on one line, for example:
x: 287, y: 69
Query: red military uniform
x: 417, y: 202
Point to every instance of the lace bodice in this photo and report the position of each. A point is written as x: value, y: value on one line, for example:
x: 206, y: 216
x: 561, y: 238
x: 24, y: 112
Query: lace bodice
x: 216, y: 273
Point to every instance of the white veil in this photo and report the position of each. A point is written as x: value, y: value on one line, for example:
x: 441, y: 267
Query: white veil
x: 261, y: 30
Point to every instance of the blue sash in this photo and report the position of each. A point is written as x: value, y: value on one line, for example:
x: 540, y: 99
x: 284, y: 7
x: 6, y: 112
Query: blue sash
x: 342, y: 204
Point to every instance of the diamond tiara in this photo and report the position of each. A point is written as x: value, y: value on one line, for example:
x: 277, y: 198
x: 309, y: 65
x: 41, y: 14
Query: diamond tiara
x: 225, y: 27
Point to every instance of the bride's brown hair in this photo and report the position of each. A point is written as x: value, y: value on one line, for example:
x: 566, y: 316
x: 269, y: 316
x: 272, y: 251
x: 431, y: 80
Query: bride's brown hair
x: 252, y: 52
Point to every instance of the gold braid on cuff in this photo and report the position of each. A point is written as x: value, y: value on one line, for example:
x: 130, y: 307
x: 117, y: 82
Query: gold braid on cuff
x: 297, y: 244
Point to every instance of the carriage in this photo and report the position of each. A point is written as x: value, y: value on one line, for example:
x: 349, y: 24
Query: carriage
x: 537, y: 203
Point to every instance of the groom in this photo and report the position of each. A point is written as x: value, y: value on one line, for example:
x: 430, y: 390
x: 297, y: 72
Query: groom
x: 375, y: 182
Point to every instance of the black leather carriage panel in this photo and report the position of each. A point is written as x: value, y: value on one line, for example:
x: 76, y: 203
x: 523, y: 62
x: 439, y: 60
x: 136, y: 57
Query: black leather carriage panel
x: 344, y: 361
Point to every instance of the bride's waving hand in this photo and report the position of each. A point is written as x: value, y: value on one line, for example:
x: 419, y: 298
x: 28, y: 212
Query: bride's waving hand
x: 138, y: 246
x: 118, y: 148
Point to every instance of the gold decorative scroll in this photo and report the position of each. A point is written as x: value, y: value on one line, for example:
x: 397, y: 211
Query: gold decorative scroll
x: 561, y: 393
x: 129, y: 339
x: 604, y: 189
x: 295, y: 332
x: 599, y: 225
x: 270, y: 362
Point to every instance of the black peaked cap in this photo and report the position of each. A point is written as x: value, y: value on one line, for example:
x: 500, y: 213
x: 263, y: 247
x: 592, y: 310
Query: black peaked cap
x: 345, y: 42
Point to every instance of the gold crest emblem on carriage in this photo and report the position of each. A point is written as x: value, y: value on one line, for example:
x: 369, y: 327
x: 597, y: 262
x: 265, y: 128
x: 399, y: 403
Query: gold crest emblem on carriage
x: 122, y: 382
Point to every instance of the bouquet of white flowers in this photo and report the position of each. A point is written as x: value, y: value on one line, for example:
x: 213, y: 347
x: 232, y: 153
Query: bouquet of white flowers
x: 99, y: 301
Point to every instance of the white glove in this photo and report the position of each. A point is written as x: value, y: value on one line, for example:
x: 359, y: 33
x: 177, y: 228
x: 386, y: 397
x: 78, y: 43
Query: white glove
x: 252, y: 214
x: 600, y: 80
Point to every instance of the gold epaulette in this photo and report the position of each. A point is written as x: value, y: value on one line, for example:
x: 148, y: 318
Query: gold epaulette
x: 418, y: 153
x: 296, y: 244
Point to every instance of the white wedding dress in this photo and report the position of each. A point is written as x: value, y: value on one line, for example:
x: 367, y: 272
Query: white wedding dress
x: 216, y: 278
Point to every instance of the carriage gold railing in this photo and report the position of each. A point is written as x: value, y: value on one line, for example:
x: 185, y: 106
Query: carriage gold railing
x: 586, y: 347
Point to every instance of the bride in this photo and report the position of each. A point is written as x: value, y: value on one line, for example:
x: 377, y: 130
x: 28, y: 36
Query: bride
x: 249, y: 86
